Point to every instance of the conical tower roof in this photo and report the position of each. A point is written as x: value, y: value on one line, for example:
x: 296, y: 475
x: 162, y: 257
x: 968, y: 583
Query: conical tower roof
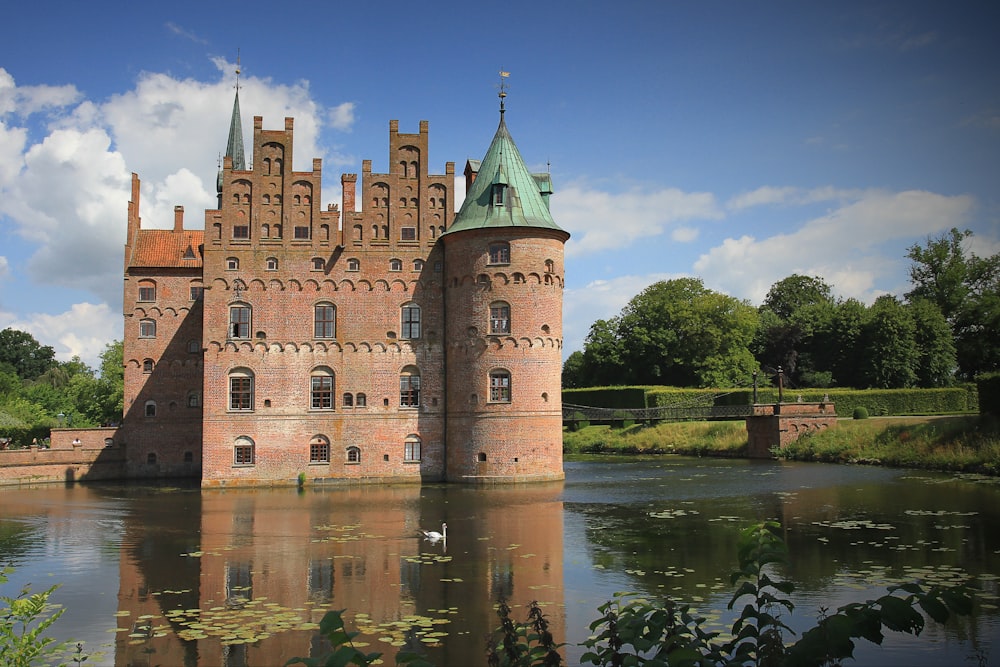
x: 234, y: 148
x: 504, y: 194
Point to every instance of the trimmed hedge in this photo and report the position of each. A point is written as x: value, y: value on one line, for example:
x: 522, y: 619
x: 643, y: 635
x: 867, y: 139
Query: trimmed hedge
x: 950, y: 400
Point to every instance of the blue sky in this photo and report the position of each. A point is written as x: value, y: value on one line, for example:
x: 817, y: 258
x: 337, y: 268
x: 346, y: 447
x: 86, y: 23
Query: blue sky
x: 732, y: 141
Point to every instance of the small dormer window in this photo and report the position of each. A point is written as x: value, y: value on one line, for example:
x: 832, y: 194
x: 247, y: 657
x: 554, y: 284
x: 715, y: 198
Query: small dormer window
x: 498, y: 193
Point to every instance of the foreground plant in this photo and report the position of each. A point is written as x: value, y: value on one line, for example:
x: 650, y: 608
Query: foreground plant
x: 23, y: 620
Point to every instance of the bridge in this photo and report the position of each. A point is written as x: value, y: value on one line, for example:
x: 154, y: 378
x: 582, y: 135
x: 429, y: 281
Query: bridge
x: 703, y: 410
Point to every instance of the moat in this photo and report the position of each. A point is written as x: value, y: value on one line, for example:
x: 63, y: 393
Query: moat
x: 180, y: 576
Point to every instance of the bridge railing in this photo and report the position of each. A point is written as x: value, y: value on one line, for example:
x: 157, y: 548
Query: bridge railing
x: 698, y: 412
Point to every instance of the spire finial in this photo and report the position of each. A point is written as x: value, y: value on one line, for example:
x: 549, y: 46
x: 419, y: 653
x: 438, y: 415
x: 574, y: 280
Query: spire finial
x: 503, y: 88
x: 237, y: 71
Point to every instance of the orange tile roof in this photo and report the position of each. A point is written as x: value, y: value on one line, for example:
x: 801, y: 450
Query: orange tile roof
x: 166, y: 248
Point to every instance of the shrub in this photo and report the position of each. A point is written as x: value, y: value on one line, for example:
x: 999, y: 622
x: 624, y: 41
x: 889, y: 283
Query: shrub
x: 861, y: 412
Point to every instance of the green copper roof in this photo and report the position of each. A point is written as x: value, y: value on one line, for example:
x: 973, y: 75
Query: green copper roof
x: 234, y: 148
x: 504, y: 194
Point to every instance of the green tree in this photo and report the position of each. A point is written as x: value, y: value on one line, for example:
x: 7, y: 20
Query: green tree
x: 572, y: 373
x: 935, y: 344
x: 890, y: 346
x: 966, y: 288
x: 28, y: 357
x: 847, y: 331
x: 110, y: 387
x: 675, y: 332
x: 796, y: 320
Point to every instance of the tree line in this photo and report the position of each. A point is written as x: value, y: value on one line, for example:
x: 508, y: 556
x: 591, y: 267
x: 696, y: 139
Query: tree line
x: 37, y: 390
x: 946, y: 329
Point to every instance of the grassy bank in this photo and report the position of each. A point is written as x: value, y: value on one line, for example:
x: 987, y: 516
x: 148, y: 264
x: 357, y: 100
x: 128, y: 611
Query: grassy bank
x: 965, y: 443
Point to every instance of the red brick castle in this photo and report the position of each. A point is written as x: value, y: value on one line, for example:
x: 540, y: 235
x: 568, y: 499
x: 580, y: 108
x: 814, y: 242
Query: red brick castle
x: 401, y: 342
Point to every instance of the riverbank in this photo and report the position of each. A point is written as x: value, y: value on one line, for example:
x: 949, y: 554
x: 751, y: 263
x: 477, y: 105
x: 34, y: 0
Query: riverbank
x: 952, y: 443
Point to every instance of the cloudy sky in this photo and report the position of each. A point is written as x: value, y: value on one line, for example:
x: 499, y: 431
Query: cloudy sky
x: 732, y: 141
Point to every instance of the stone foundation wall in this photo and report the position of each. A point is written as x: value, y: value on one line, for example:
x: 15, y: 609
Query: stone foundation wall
x: 774, y: 426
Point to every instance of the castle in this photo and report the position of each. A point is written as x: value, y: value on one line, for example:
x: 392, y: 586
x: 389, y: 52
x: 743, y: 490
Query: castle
x: 406, y: 341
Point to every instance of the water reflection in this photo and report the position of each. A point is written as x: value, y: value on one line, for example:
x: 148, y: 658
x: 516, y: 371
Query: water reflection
x: 178, y: 576
x: 242, y: 578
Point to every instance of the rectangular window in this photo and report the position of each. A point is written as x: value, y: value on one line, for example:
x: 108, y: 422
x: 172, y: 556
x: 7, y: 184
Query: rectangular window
x: 147, y: 294
x: 147, y: 329
x: 301, y: 232
x: 241, y: 232
x: 319, y: 452
x: 408, y: 233
x: 322, y: 392
x: 409, y: 391
x: 500, y: 319
x: 499, y: 253
x: 325, y: 325
x: 411, y: 322
x: 239, y: 322
x: 411, y: 451
x: 243, y: 455
x: 240, y: 393
x: 500, y: 388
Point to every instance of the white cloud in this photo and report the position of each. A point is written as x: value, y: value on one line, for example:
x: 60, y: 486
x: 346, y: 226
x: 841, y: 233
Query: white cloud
x: 769, y: 196
x: 684, y: 234
x: 601, y: 221
x: 4, y: 267
x: 26, y: 100
x: 842, y: 246
x: 341, y: 117
x: 84, y: 330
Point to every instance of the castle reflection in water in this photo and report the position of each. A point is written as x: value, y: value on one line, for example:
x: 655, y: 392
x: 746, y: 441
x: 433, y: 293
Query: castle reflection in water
x: 229, y: 578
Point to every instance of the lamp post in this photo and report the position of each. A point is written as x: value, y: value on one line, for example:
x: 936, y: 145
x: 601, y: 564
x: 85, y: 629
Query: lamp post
x: 61, y: 417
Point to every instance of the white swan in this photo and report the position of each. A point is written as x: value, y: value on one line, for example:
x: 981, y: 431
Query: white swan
x: 435, y: 536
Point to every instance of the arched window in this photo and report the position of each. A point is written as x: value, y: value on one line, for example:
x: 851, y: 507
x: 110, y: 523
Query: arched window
x: 319, y: 449
x: 347, y: 400
x: 192, y: 400
x: 232, y: 264
x: 395, y: 265
x: 353, y: 265
x: 362, y: 400
x: 499, y: 317
x: 318, y: 264
x: 418, y: 265
x: 194, y: 346
x: 151, y: 458
x: 239, y: 321
x: 321, y: 388
x: 241, y: 389
x: 409, y: 387
x: 147, y: 290
x: 324, y: 320
x: 147, y: 365
x: 411, y: 448
x: 411, y: 321
x: 353, y: 455
x: 500, y: 253
x: 272, y: 263
x: 147, y: 328
x: 150, y: 408
x: 499, y: 386
x: 550, y: 266
x: 265, y: 231
x: 243, y: 452
x: 481, y: 457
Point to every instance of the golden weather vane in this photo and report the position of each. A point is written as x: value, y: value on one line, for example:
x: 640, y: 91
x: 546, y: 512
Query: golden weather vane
x: 504, y: 86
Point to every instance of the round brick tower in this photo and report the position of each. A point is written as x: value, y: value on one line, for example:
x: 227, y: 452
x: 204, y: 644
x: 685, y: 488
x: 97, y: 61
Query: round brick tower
x: 503, y: 312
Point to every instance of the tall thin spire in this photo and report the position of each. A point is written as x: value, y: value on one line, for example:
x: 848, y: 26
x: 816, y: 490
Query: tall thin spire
x: 234, y: 148
x: 503, y: 89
